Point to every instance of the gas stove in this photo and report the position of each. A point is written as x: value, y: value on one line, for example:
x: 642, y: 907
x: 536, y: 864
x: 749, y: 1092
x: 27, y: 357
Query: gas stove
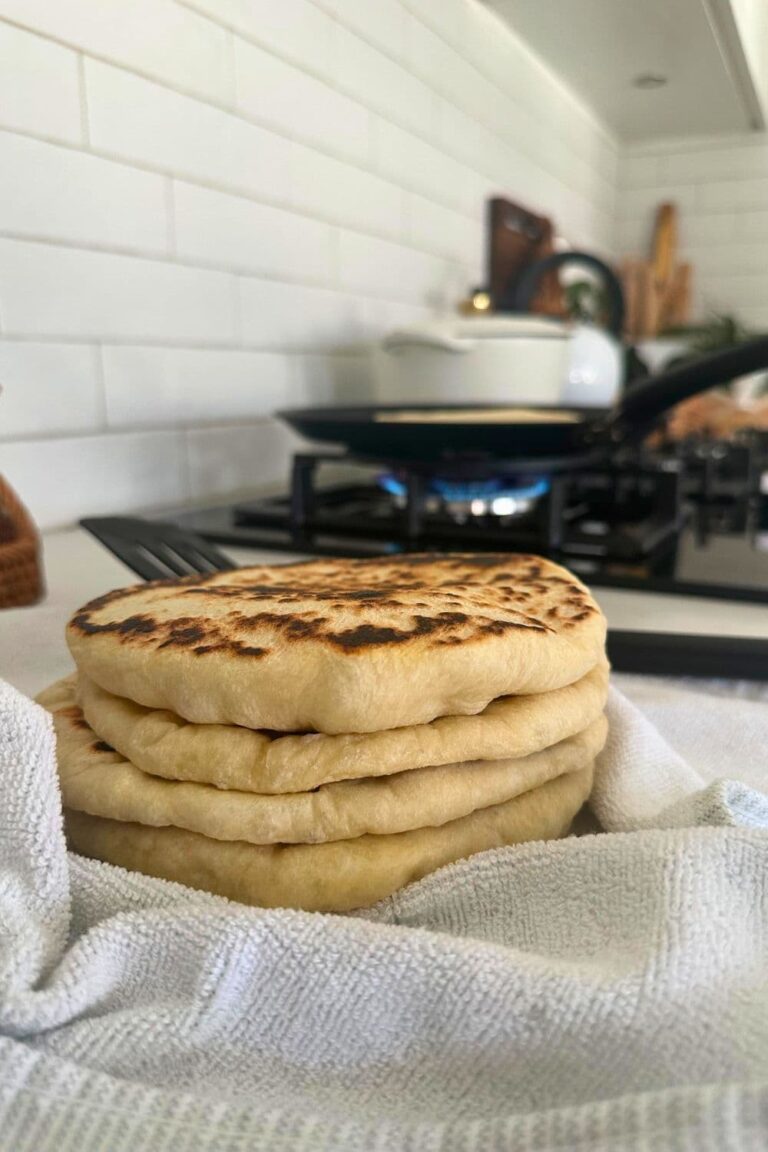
x: 673, y: 541
x: 689, y: 519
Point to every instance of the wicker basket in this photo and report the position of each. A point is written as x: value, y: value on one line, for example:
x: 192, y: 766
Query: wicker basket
x: 21, y: 579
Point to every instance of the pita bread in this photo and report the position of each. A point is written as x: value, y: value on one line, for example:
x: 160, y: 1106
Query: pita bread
x: 162, y: 744
x: 97, y: 780
x: 333, y: 877
x: 342, y: 645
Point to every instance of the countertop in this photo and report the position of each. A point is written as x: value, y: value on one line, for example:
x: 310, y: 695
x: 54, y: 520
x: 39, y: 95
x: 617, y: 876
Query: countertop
x: 77, y: 568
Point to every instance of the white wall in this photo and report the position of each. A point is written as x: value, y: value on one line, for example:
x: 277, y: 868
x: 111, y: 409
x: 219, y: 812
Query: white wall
x: 721, y: 187
x: 206, y: 207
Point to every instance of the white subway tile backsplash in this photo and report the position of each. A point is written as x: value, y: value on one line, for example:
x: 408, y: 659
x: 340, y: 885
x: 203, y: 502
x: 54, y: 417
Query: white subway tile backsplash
x: 39, y: 87
x: 378, y: 82
x: 295, y: 29
x: 379, y: 268
x: 353, y: 378
x: 639, y: 172
x: 751, y: 225
x: 66, y: 195
x: 158, y: 37
x: 303, y: 107
x: 632, y: 237
x: 314, y: 378
x: 638, y: 201
x: 701, y: 230
x: 713, y: 164
x: 47, y: 389
x: 755, y: 316
x: 448, y: 72
x: 233, y: 232
x: 382, y: 23
x: 471, y: 142
x: 451, y: 18
x: 444, y: 232
x: 139, y: 120
x: 409, y: 161
x: 383, y: 316
x: 65, y: 292
x: 223, y: 461
x: 731, y: 293
x: 732, y: 259
x: 149, y: 386
x: 336, y: 191
x: 489, y: 43
x: 275, y: 315
x: 61, y: 480
x: 731, y: 195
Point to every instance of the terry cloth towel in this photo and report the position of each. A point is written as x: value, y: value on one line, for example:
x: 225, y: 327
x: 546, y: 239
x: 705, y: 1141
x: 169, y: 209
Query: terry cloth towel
x: 604, y: 993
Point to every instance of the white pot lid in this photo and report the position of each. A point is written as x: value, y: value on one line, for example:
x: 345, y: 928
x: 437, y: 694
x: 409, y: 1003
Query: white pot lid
x: 458, y: 328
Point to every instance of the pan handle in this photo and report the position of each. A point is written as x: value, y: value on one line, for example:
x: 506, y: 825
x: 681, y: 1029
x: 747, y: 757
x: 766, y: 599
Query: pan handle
x: 647, y: 400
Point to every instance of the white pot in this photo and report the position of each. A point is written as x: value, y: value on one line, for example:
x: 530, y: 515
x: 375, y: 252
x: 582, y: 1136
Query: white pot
x: 474, y: 360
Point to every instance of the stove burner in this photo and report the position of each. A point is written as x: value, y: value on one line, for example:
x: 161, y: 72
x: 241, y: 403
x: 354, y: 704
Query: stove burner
x: 498, y: 496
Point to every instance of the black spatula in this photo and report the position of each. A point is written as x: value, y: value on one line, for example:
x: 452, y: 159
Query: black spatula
x: 155, y: 550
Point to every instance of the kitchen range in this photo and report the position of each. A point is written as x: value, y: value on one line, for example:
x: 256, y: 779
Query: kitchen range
x: 686, y: 519
x: 690, y: 518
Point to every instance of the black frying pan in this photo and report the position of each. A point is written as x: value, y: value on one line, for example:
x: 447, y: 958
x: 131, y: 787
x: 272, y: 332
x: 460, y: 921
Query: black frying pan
x: 583, y: 433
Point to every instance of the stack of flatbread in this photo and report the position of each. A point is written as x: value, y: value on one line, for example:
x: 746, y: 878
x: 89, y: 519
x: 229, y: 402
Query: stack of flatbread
x: 318, y: 735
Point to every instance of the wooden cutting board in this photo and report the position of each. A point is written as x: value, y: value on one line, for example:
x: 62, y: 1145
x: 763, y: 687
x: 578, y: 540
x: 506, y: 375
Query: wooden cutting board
x: 517, y: 238
x: 664, y: 246
x: 657, y: 290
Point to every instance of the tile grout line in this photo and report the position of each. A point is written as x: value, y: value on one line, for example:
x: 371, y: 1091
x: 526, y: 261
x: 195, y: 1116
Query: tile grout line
x: 85, y: 127
x: 98, y: 362
x: 186, y: 461
x: 170, y: 217
x: 334, y: 244
x: 234, y: 85
x: 237, y: 309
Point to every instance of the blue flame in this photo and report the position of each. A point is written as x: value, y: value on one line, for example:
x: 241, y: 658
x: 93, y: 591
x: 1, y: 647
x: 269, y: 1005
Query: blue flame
x: 464, y: 491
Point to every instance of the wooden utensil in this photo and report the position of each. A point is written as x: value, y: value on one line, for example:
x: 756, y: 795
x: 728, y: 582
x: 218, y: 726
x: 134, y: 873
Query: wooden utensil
x: 677, y: 302
x: 516, y: 239
x: 661, y: 286
x: 648, y: 301
x: 664, y: 245
x: 630, y: 285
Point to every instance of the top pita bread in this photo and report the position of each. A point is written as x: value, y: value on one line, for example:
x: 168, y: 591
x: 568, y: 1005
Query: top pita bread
x: 342, y: 645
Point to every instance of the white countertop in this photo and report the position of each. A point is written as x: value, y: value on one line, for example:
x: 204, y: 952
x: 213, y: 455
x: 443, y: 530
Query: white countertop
x: 78, y: 568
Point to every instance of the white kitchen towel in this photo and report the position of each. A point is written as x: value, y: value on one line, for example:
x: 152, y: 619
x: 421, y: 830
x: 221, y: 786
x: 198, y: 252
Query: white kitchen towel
x: 608, y: 992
